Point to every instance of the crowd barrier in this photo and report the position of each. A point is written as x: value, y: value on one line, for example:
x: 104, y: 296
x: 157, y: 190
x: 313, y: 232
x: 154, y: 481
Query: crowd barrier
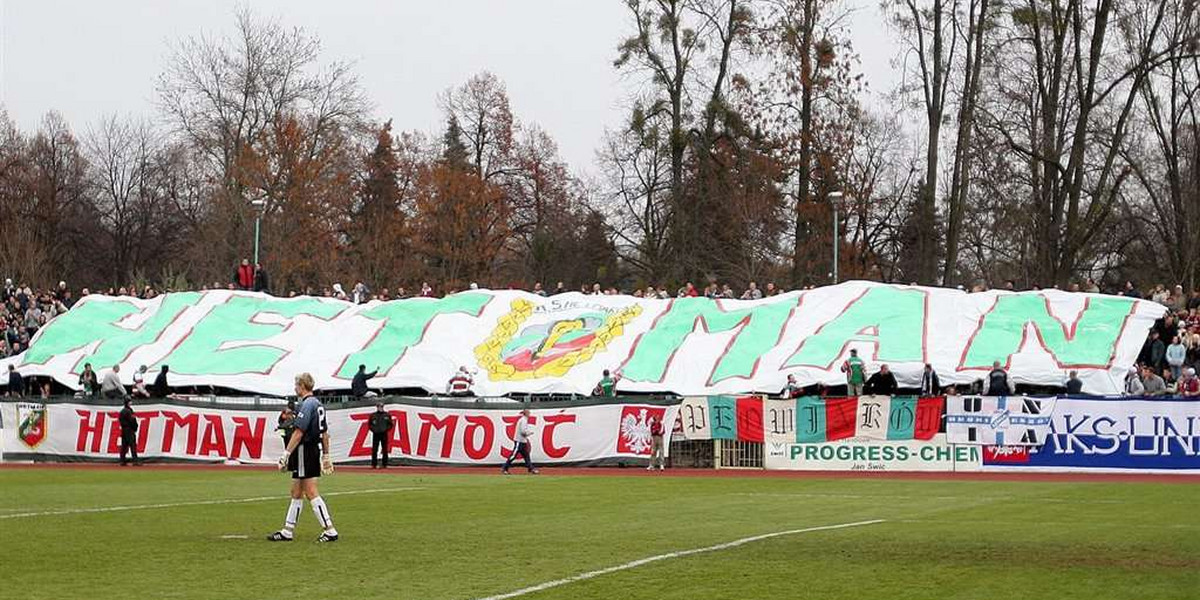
x: 1086, y: 434
x: 427, y: 431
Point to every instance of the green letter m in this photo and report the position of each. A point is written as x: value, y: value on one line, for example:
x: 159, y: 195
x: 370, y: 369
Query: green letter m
x: 758, y: 330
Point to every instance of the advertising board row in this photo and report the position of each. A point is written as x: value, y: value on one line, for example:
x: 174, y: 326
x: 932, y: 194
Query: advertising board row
x: 1089, y: 436
x: 1085, y: 435
x: 568, y: 432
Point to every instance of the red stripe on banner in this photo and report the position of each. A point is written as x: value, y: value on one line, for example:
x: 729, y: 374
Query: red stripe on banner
x: 929, y: 417
x: 750, y: 419
x: 840, y: 418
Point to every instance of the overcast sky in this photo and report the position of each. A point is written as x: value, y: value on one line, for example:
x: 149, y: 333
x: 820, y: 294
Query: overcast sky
x: 89, y: 58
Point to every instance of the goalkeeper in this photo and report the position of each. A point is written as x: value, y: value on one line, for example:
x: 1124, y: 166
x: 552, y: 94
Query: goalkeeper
x: 307, y: 457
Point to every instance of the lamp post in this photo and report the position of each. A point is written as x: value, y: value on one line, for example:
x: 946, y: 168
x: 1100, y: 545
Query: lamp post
x: 258, y: 205
x: 834, y: 199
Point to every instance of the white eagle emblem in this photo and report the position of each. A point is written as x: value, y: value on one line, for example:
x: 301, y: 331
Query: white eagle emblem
x: 636, y: 432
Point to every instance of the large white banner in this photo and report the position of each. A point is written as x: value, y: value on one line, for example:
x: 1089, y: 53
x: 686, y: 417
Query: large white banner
x: 517, y: 342
x: 423, y: 434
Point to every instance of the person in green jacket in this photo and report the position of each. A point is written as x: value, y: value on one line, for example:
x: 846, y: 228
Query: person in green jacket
x: 855, y: 370
x: 607, y: 386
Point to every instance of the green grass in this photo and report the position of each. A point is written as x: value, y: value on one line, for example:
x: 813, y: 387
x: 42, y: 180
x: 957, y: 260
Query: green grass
x: 464, y: 536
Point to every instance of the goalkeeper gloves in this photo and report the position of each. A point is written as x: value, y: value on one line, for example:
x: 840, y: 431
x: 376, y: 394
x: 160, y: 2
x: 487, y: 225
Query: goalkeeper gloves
x: 283, y: 461
x: 326, y: 464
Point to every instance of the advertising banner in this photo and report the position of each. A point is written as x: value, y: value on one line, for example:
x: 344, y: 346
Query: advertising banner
x: 464, y: 435
x: 1111, y: 436
x: 861, y: 454
x: 516, y: 342
x: 722, y: 418
x: 814, y: 420
x: 998, y: 420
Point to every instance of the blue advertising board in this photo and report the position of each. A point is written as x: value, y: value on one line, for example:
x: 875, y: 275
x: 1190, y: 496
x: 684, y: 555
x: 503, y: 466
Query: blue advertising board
x: 1113, y: 435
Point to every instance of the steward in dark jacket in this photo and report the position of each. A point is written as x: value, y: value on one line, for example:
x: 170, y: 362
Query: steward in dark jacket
x: 129, y: 427
x: 380, y: 424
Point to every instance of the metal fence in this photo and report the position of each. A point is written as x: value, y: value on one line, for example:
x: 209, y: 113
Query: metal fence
x: 719, y: 454
x: 692, y: 454
x: 735, y: 454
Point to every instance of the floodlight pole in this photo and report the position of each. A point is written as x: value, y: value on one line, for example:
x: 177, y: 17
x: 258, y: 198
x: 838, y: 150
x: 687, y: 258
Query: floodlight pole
x: 257, y: 225
x: 259, y: 206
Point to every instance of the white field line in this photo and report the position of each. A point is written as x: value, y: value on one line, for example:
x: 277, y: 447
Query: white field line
x: 921, y: 497
x: 1037, y: 523
x: 650, y: 559
x: 104, y: 509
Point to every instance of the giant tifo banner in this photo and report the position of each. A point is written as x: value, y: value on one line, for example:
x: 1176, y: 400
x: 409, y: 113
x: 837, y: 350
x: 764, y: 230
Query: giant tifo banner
x: 522, y: 343
x: 579, y: 432
x: 1110, y: 436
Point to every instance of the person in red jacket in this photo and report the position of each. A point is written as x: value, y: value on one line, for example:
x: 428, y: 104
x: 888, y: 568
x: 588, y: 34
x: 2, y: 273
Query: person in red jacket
x: 244, y: 276
x: 656, y: 444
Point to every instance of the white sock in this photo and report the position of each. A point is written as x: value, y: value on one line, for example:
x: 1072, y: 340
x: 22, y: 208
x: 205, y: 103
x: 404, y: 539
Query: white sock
x: 323, y: 517
x: 293, y: 515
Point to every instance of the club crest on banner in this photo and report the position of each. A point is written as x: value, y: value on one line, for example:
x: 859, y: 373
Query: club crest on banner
x: 528, y: 343
x: 32, y: 423
x: 635, y: 429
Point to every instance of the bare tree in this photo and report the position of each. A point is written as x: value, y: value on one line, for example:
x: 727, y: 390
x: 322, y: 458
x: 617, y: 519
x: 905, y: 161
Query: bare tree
x: 481, y: 108
x: 808, y: 102
x: 637, y: 179
x: 1063, y: 101
x: 227, y: 96
x: 1165, y: 158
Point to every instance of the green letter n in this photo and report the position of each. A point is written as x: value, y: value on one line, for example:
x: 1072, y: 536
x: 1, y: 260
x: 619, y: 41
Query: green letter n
x: 1090, y: 342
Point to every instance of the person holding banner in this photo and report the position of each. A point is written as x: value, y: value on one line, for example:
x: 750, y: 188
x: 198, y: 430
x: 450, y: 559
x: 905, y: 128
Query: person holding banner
x: 883, y: 382
x: 930, y: 386
x: 607, y: 386
x: 307, y: 457
x: 856, y: 374
x: 792, y: 389
x: 997, y: 381
x: 111, y: 385
x: 460, y: 384
x: 521, y: 435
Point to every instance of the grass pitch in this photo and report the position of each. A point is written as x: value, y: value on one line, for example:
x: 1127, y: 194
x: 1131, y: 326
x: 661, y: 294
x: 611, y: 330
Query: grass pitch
x: 88, y: 533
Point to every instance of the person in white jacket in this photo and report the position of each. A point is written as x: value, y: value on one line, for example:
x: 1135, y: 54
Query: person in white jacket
x: 1133, y: 383
x: 1176, y: 353
x: 521, y: 435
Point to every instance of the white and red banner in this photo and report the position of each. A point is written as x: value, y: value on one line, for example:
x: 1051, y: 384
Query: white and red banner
x: 515, y: 342
x: 564, y: 433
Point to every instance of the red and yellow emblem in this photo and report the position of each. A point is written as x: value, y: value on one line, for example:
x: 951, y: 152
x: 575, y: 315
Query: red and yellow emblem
x: 549, y: 346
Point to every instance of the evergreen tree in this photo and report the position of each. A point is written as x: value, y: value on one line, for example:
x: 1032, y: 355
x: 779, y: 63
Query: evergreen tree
x: 454, y: 151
